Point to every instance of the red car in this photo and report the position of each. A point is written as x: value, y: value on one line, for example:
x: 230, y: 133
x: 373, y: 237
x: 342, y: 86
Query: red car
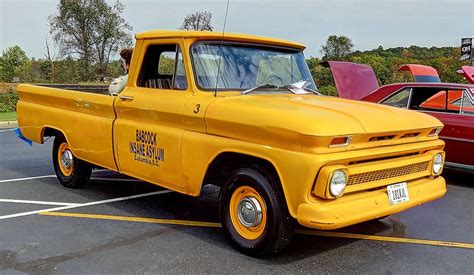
x: 452, y: 104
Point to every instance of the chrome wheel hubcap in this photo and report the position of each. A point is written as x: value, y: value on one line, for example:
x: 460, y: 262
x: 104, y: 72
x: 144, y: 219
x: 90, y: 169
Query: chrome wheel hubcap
x: 66, y: 159
x: 249, y: 212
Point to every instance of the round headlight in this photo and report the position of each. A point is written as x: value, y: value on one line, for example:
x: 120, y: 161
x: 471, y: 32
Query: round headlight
x: 437, y: 163
x: 338, y: 183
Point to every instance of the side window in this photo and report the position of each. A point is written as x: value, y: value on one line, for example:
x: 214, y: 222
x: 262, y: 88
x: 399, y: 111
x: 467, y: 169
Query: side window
x: 163, y: 68
x: 399, y: 99
x: 454, y: 100
x: 436, y: 99
x: 467, y: 104
x: 436, y: 102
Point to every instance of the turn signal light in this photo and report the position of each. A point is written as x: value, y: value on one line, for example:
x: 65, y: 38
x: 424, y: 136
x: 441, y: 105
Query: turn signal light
x: 435, y: 132
x: 340, y: 141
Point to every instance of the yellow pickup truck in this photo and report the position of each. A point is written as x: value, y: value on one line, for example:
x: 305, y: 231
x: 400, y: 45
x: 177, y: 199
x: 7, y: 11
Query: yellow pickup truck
x: 242, y: 112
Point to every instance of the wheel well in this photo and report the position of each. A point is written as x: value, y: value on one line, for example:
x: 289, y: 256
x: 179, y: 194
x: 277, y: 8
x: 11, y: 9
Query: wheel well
x: 50, y: 132
x: 224, y: 164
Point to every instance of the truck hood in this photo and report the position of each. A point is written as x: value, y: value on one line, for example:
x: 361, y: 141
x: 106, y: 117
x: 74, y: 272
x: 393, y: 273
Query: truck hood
x: 262, y: 117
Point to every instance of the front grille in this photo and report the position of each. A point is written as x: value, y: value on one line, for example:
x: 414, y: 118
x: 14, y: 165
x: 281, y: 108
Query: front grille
x: 410, y: 135
x: 387, y: 173
x: 381, y: 138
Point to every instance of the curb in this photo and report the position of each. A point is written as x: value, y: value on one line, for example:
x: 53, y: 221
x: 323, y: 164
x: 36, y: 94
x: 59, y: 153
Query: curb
x: 8, y: 124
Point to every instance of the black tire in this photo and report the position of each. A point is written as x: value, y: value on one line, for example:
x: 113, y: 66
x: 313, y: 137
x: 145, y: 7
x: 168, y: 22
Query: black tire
x: 278, y: 229
x: 80, y: 173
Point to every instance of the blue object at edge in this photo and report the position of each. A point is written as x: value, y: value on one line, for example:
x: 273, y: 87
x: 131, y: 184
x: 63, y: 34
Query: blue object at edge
x: 20, y: 136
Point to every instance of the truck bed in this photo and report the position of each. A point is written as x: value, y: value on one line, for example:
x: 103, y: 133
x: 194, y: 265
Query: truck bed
x: 83, y: 118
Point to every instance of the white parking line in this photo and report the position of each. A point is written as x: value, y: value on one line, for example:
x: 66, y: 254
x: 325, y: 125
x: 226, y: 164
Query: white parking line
x: 39, y: 202
x: 53, y: 176
x: 84, y: 204
x: 7, y: 130
x: 29, y: 178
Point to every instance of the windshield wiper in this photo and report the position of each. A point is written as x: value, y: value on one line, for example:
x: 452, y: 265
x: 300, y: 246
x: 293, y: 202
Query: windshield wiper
x: 261, y: 86
x: 299, y: 87
x: 312, y: 91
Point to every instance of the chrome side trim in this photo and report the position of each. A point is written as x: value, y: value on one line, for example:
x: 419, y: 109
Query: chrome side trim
x: 409, y: 99
x: 457, y: 139
x: 459, y: 166
x: 437, y: 112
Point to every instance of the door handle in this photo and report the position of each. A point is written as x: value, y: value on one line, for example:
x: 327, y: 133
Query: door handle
x: 126, y: 97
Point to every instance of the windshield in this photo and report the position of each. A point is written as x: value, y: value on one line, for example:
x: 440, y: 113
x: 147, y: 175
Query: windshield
x: 244, y: 67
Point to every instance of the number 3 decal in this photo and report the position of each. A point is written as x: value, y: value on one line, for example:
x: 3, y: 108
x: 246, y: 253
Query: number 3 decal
x: 198, y: 106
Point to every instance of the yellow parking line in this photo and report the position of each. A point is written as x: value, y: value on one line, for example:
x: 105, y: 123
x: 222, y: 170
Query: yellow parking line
x: 303, y: 232
x: 385, y: 238
x: 132, y: 219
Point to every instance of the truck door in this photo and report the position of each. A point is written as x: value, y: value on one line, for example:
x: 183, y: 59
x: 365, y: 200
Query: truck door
x: 149, y: 125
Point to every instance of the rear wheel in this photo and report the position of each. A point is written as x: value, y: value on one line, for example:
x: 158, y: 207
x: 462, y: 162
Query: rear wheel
x: 254, y: 214
x: 70, y: 171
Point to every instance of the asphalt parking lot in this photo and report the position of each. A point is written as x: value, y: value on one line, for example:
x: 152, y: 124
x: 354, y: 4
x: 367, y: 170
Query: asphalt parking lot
x: 121, y: 225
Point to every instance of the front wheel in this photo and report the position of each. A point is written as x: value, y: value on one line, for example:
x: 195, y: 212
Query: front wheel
x: 70, y: 171
x: 254, y: 214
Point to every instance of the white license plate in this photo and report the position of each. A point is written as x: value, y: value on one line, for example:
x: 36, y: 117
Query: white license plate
x: 397, y: 193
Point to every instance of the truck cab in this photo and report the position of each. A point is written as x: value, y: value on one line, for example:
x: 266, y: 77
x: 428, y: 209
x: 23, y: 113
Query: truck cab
x: 242, y: 112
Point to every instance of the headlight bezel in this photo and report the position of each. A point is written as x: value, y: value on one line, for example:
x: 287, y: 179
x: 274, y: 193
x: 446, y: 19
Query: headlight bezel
x: 440, y: 164
x: 332, y: 189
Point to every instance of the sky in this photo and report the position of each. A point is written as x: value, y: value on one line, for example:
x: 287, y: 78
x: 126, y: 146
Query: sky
x: 369, y: 23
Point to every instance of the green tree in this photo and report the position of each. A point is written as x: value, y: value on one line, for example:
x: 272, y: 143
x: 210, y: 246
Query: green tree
x: 166, y: 65
x: 90, y: 29
x: 386, y: 63
x: 13, y: 64
x: 198, y: 21
x: 337, y: 48
x: 35, y: 73
x: 68, y: 70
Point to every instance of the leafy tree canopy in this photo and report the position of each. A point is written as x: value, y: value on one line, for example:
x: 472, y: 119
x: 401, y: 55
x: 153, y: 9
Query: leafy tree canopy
x: 93, y: 30
x: 198, y: 21
x: 13, y: 64
x: 386, y: 64
x: 337, y: 48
